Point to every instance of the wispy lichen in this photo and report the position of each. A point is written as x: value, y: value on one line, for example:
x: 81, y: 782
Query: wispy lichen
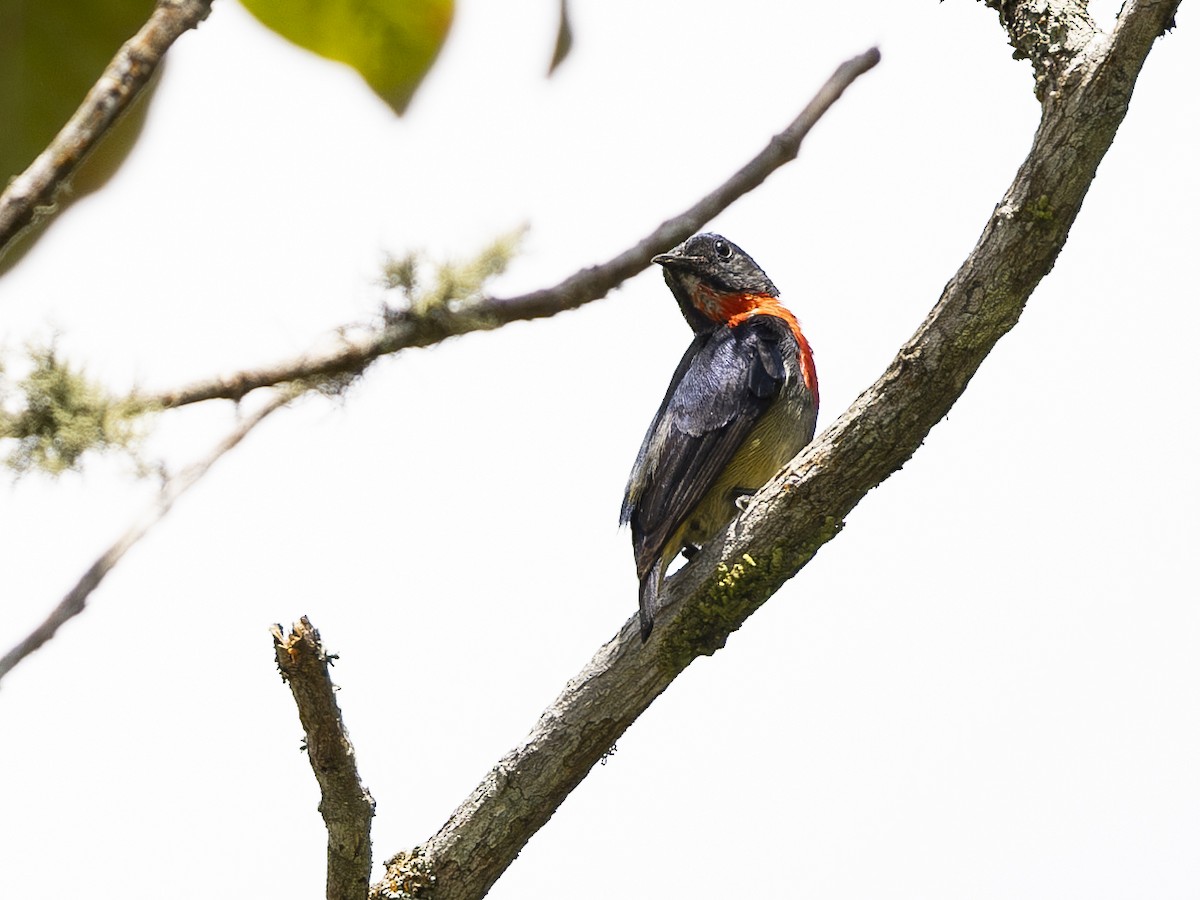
x: 54, y: 415
x: 428, y: 288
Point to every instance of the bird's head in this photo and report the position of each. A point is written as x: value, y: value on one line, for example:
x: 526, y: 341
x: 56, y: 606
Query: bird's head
x: 712, y: 278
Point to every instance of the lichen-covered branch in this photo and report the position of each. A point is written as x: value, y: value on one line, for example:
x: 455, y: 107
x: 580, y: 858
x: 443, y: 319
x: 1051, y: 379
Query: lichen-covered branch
x: 522, y: 791
x: 350, y: 356
x: 32, y: 193
x: 1051, y: 34
x: 73, y: 603
x: 793, y: 516
x: 346, y: 805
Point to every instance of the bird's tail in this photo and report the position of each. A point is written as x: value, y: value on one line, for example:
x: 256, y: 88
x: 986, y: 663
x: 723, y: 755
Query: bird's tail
x: 648, y: 590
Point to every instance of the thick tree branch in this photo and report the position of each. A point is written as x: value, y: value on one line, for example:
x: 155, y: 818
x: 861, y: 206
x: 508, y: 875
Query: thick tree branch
x: 405, y: 329
x: 73, y: 603
x: 346, y: 805
x: 806, y: 505
x: 31, y: 194
x: 794, y: 515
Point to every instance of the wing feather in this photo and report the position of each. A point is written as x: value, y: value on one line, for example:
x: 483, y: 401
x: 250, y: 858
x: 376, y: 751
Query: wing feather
x: 722, y: 387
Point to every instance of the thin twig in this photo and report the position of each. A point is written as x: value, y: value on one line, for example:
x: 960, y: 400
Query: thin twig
x: 805, y: 507
x: 31, y: 194
x: 353, y: 355
x: 73, y: 603
x: 346, y: 805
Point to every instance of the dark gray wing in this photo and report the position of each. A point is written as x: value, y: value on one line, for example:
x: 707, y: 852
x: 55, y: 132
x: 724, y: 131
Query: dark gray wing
x: 722, y: 387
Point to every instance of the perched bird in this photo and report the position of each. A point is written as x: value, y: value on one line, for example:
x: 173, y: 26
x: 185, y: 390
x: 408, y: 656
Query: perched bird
x: 742, y: 402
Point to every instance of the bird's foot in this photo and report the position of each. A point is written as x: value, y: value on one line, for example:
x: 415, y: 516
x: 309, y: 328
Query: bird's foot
x: 741, y: 498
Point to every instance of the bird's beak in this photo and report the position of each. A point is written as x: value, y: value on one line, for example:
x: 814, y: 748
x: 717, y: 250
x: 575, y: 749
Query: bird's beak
x: 674, y: 259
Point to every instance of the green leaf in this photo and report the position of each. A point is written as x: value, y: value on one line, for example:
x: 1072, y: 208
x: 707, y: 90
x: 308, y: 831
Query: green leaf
x: 391, y: 43
x: 51, y: 53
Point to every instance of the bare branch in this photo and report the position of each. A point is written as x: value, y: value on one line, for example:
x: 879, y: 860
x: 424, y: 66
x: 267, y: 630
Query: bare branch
x: 352, y: 356
x: 73, y: 603
x: 346, y: 805
x: 804, y: 507
x: 31, y: 194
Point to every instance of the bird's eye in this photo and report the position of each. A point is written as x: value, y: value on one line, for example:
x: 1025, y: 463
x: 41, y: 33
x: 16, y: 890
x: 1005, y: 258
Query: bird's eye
x: 722, y: 249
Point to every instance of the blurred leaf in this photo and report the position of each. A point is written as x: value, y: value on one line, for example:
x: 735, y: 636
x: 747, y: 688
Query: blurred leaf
x: 51, y: 53
x: 562, y: 43
x: 391, y: 43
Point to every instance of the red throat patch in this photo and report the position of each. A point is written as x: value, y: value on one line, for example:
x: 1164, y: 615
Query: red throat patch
x: 733, y: 309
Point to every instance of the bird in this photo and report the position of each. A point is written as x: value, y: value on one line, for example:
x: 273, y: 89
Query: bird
x: 742, y: 402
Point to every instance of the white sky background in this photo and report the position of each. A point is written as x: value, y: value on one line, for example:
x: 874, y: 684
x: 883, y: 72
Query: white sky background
x: 985, y: 687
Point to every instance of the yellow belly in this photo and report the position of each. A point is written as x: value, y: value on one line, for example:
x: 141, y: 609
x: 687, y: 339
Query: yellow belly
x: 768, y: 448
